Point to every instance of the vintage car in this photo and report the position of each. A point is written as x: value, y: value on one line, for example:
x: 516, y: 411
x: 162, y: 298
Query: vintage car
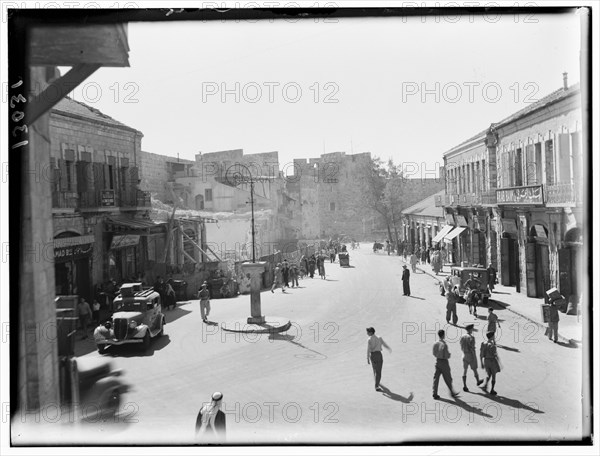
x: 460, y: 275
x: 138, y: 318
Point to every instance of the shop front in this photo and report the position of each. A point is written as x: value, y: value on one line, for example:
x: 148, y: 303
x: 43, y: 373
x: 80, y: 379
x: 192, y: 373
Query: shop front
x: 73, y: 264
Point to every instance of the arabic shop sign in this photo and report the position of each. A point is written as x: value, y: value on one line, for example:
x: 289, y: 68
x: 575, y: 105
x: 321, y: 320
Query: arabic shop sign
x: 521, y: 195
x: 72, y: 252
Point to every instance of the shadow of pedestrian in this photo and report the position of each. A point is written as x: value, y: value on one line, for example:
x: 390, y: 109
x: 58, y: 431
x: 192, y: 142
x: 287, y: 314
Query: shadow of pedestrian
x: 512, y: 349
x: 416, y: 297
x: 571, y: 344
x: 289, y: 338
x: 514, y: 403
x: 466, y: 406
x: 396, y: 397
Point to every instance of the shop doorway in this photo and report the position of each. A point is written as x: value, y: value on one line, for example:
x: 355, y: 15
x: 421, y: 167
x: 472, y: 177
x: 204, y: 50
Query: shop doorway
x: 509, y: 261
x: 569, y: 265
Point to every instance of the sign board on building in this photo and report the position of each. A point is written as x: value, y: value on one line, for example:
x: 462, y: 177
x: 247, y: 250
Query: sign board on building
x: 72, y: 252
x: 107, y: 198
x: 540, y: 231
x: 521, y: 195
x: 509, y: 226
x: 125, y: 240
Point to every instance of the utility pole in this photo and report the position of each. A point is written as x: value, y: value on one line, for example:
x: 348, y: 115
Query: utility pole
x: 252, y: 208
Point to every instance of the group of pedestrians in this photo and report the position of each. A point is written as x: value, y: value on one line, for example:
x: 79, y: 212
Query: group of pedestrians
x: 284, y: 274
x: 488, y: 356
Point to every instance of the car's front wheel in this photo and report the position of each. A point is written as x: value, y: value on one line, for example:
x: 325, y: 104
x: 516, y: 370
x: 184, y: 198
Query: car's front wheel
x: 101, y: 348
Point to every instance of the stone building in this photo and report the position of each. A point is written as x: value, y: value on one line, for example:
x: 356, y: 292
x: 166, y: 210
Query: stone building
x: 101, y: 225
x: 157, y: 170
x: 423, y: 221
x: 325, y: 189
x: 85, y: 49
x: 515, y: 191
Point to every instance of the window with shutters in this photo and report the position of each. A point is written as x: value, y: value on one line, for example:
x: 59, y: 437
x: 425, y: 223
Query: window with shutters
x: 518, y: 180
x: 208, y: 195
x: 530, y: 165
x: 549, y: 153
x: 538, y: 163
x: 70, y: 175
x: 483, y: 177
x: 111, y: 181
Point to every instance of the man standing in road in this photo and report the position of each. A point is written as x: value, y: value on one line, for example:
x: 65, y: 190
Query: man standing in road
x: 405, y: 280
x: 204, y: 296
x: 451, y: 300
x: 553, y: 322
x: 467, y: 345
x: 374, y: 356
x: 442, y: 366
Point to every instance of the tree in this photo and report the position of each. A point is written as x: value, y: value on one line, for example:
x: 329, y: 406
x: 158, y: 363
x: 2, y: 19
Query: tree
x: 379, y: 187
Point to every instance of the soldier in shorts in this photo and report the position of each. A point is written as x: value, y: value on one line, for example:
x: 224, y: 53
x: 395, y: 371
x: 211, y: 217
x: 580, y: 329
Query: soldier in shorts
x: 467, y: 345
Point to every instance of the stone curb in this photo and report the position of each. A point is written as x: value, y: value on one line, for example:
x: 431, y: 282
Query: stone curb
x: 561, y: 338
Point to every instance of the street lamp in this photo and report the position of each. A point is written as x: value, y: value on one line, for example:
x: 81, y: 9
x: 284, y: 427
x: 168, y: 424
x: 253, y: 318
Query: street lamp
x: 238, y: 177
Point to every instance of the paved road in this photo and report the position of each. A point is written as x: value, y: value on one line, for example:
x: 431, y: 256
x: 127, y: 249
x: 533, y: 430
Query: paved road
x: 313, y: 384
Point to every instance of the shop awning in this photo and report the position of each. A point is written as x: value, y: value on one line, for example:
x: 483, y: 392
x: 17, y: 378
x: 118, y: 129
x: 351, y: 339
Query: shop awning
x: 125, y: 225
x: 454, y: 233
x: 509, y: 226
x: 438, y: 237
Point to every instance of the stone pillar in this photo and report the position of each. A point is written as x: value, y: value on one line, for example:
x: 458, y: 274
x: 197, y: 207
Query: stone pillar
x: 255, y: 270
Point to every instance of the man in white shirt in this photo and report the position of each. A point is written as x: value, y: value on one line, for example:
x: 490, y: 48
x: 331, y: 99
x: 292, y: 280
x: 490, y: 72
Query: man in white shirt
x: 374, y: 356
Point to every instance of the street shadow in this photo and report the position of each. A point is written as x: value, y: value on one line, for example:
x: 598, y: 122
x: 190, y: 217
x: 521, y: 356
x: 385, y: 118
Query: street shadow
x: 511, y: 349
x: 136, y: 350
x: 568, y: 345
x: 416, y: 297
x: 347, y: 267
x: 175, y: 314
x: 290, y: 338
x: 514, y: 403
x: 396, y: 397
x: 331, y: 280
x: 500, y: 292
x: 462, y: 404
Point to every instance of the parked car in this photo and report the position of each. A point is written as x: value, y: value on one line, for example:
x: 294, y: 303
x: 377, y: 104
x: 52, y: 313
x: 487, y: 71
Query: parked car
x: 460, y: 275
x: 138, y: 318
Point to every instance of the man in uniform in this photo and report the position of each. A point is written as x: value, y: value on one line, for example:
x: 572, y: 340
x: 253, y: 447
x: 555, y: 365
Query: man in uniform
x: 204, y: 296
x: 467, y: 345
x: 442, y: 366
x: 405, y: 281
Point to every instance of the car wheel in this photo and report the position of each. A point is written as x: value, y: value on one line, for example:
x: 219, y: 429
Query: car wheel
x: 162, y: 328
x: 146, y: 343
x: 101, y: 348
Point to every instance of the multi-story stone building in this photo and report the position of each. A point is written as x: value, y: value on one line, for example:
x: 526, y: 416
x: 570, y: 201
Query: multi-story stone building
x: 101, y: 226
x: 515, y: 193
x: 423, y: 221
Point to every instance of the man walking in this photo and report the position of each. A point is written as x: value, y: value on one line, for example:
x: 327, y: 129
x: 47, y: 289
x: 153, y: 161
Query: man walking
x: 451, y: 300
x: 277, y: 279
x: 405, y: 280
x: 442, y: 366
x: 85, y: 314
x: 413, y: 262
x: 489, y: 360
x: 374, y: 356
x: 467, y: 345
x: 285, y: 273
x: 492, y: 322
x: 204, y: 296
x: 210, y: 422
x: 553, y: 323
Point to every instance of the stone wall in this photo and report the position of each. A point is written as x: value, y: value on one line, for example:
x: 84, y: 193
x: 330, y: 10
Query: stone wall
x: 156, y: 170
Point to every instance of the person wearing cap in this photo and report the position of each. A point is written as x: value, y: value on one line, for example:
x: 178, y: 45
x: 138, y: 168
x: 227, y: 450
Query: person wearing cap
x: 405, y: 280
x: 374, y: 356
x: 442, y: 365
x: 204, y: 296
x: 489, y: 360
x: 211, y: 419
x: 467, y: 345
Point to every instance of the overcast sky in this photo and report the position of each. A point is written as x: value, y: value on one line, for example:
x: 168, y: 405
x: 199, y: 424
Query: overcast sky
x: 361, y: 82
